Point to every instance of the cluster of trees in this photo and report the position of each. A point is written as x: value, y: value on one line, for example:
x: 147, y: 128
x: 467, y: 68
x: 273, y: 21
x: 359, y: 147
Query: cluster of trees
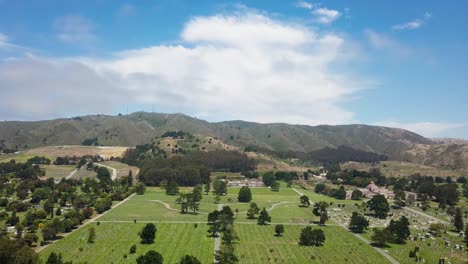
x: 223, y: 222
x: 176, y: 134
x: 338, y: 193
x: 190, y: 201
x: 22, y: 171
x: 272, y: 179
x: 325, y: 155
x: 397, y: 231
x: 178, y: 169
x: 311, y: 237
x: 320, y: 210
x: 223, y: 160
x: 357, y: 177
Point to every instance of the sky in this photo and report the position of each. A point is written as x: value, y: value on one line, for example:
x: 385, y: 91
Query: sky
x: 391, y: 63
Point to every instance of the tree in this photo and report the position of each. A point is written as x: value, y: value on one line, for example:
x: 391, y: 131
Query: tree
x: 458, y: 220
x: 263, y: 218
x: 379, y: 205
x: 54, y: 259
x: 425, y: 203
x: 356, y: 195
x: 279, y: 230
x: 140, y: 188
x: 399, y: 229
x: 466, y: 235
x: 103, y: 174
x: 148, y: 234
x: 48, y: 233
x: 172, y: 188
x: 358, y: 223
x: 305, y: 200
x: 253, y: 211
x: 320, y: 209
x: 226, y: 255
x: 245, y: 195
x: 30, y: 238
x: 151, y: 257
x: 275, y: 186
x: 380, y: 237
x: 311, y: 237
x: 400, y: 198
x: 220, y: 187
x: 268, y: 178
x: 207, y: 188
x: 340, y: 193
x: 91, y: 235
x: 188, y: 259
x: 319, y: 188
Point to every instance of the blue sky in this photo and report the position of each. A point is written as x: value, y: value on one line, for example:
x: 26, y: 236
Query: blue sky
x: 391, y: 63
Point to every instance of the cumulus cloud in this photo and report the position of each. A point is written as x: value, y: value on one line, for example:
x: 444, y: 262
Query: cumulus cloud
x: 304, y: 5
x: 75, y: 29
x: 427, y: 129
x: 249, y: 67
x: 325, y: 15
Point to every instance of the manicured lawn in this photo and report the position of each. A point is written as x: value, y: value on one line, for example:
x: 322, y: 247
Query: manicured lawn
x: 259, y: 245
x: 113, y: 240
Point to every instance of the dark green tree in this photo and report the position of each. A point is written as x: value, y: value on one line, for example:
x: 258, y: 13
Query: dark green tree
x: 275, y: 186
x: 245, y: 195
x: 400, y: 198
x: 458, y: 220
x: 263, y: 218
x: 358, y: 223
x: 54, y: 259
x: 381, y: 237
x: 151, y: 257
x: 172, y: 188
x: 148, y: 234
x: 320, y: 209
x: 188, y: 259
x: 220, y: 187
x: 253, y: 211
x: 279, y: 230
x: 311, y: 237
x: 356, y: 195
x: 340, y: 193
x: 268, y: 178
x: 305, y: 200
x: 379, y: 205
x: 399, y: 229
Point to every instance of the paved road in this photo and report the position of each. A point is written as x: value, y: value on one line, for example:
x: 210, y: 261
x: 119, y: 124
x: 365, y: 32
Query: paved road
x: 71, y: 174
x: 92, y: 220
x: 298, y: 192
x: 114, y: 171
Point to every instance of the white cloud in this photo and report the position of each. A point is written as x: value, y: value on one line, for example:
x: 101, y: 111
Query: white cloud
x: 249, y: 67
x: 304, y: 5
x: 415, y: 24
x: 427, y: 129
x: 325, y: 15
x: 75, y: 29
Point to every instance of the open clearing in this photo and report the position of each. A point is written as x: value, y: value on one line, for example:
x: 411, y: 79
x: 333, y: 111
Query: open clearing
x: 52, y: 152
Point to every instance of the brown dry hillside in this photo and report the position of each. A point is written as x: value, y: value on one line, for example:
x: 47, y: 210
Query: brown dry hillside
x: 141, y: 127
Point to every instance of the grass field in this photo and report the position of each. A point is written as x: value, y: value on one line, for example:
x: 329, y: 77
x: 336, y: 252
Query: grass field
x: 55, y: 171
x: 177, y: 235
x: 259, y: 245
x: 113, y: 240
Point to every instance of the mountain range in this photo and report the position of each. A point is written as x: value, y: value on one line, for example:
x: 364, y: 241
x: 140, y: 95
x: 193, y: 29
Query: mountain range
x: 142, y: 127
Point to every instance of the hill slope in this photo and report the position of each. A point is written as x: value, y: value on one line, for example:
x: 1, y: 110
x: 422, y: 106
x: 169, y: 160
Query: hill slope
x: 141, y: 127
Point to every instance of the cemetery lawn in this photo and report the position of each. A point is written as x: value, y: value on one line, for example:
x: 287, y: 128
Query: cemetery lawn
x: 113, y: 240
